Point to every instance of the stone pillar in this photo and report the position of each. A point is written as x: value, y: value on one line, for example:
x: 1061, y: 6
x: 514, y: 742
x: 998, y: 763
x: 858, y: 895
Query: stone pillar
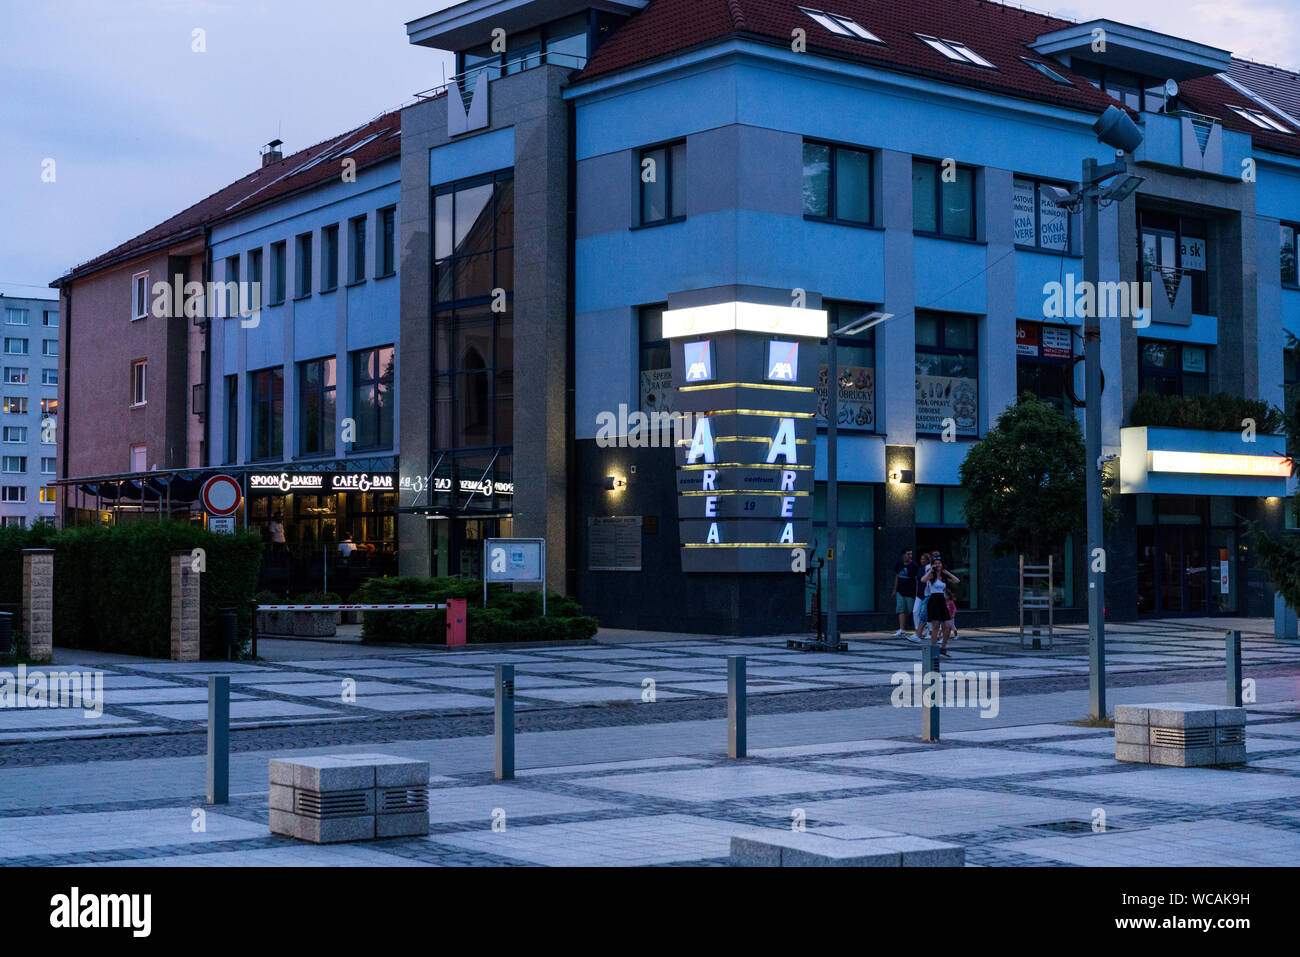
x: 185, y: 608
x: 38, y: 602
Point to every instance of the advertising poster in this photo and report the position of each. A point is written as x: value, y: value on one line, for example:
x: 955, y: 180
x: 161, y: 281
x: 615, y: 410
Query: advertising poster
x: 857, y: 400
x: 944, y: 397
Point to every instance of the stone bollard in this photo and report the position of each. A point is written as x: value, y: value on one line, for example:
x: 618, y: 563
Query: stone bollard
x: 38, y: 603
x: 185, y: 608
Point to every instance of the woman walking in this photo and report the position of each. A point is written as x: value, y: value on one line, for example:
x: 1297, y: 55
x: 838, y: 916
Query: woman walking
x: 937, y: 580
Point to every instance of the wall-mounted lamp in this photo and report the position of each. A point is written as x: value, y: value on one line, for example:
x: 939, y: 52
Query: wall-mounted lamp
x: 613, y: 483
x: 902, y: 476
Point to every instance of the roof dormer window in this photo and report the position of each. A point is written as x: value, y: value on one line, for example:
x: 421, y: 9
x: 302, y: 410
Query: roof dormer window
x: 842, y: 26
x: 955, y: 51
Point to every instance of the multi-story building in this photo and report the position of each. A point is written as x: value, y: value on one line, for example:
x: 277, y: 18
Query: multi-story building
x: 30, y: 412
x: 907, y: 161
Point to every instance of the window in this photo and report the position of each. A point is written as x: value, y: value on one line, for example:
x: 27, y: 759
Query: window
x: 47, y: 465
x: 372, y: 398
x: 15, y: 404
x: 15, y: 434
x: 947, y: 376
x: 16, y: 347
x: 1288, y: 260
x: 50, y: 347
x: 232, y: 419
x: 329, y: 265
x: 1174, y: 248
x: 49, y: 377
x: 1037, y: 221
x: 957, y: 52
x: 656, y: 367
x: 1169, y: 368
x: 277, y: 273
x: 357, y: 249
x: 15, y: 463
x: 837, y: 183
x: 139, y: 458
x: 1046, y: 70
x: 267, y: 427
x: 1290, y: 367
x: 663, y: 184
x: 941, y: 527
x: 855, y: 358
x: 15, y: 375
x: 255, y: 268
x: 842, y: 26
x: 1044, y: 365
x: 1261, y: 119
x: 139, y: 296
x: 50, y: 406
x: 139, y: 375
x: 856, y: 548
x: 49, y: 493
x: 943, y: 200
x: 1135, y: 90
x: 474, y: 343
x: 13, y: 493
x: 302, y: 265
x: 387, y: 241
x: 231, y: 292
x: 13, y: 521
x: 563, y: 43
x: 316, y: 406
x: 50, y: 318
x: 15, y: 316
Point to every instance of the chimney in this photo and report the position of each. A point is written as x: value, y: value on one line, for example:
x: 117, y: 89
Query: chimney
x: 271, y: 152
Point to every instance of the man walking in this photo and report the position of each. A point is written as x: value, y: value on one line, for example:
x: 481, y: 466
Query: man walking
x: 906, y: 573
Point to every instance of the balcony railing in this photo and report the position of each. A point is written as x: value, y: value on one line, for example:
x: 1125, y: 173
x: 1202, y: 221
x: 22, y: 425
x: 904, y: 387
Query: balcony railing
x: 468, y: 93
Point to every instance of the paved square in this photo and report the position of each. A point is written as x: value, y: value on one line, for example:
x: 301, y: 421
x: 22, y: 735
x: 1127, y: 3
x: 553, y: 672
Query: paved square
x: 727, y: 783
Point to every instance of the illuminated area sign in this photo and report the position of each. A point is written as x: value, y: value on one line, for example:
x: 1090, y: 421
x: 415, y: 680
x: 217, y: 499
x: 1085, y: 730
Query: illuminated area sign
x: 1217, y: 463
x: 745, y: 470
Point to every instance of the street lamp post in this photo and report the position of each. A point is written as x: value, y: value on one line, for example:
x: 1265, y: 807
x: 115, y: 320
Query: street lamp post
x: 856, y: 327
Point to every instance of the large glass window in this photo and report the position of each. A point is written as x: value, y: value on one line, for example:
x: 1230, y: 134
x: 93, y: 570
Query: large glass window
x: 941, y: 527
x: 1174, y: 248
x: 1288, y: 261
x: 1044, y: 362
x: 473, y: 384
x: 943, y: 200
x: 837, y: 183
x: 1037, y: 221
x: 303, y: 256
x: 855, y: 563
x: 372, y: 398
x: 329, y: 263
x: 357, y: 249
x: 232, y: 419
x: 316, y: 388
x: 562, y: 43
x: 1170, y: 368
x: 947, y: 373
x: 855, y: 359
x: 266, y: 433
x: 662, y: 172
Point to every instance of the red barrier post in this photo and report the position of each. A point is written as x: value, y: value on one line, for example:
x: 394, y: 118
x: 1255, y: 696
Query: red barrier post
x: 456, y: 616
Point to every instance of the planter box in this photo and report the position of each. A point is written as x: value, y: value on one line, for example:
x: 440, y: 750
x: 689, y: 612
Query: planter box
x: 305, y: 624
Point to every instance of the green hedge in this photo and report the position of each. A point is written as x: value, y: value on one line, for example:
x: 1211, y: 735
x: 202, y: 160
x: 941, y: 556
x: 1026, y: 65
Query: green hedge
x: 1219, y: 412
x: 112, y: 585
x: 509, y: 617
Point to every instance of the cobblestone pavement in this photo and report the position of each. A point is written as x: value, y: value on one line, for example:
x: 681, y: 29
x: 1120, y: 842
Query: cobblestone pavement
x: 620, y: 780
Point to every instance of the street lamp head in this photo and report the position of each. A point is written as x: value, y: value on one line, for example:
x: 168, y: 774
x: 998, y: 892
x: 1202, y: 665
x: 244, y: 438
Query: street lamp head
x: 862, y: 324
x: 1059, y: 196
x: 1115, y: 129
x: 1123, y: 189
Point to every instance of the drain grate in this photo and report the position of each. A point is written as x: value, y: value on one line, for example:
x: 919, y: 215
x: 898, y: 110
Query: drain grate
x: 1068, y: 827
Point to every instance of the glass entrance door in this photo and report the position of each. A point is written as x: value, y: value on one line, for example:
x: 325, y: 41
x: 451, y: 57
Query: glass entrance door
x: 1184, y: 566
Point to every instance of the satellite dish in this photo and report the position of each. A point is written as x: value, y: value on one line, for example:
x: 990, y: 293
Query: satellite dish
x: 1171, y: 91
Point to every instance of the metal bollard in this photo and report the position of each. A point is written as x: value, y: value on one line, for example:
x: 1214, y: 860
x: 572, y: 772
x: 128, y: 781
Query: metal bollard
x: 1232, y: 647
x: 505, y: 723
x: 929, y: 713
x: 219, y: 739
x: 736, y: 731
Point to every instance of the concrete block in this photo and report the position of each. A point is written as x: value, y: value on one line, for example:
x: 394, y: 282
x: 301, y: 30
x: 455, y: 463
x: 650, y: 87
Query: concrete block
x: 1132, y: 734
x: 1229, y: 717
x: 1136, y: 753
x: 414, y: 824
x: 842, y: 854
x: 336, y: 830
x: 923, y: 852
x: 1181, y: 715
x: 398, y: 772
x: 286, y: 823
x: 1131, y: 714
x: 332, y: 773
x: 281, y: 798
x: 753, y: 852
x: 1183, y: 757
x: 1230, y: 754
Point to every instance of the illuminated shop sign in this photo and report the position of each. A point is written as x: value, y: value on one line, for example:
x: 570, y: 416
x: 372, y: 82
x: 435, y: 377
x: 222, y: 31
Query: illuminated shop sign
x: 317, y: 483
x: 1216, y: 463
x: 745, y: 474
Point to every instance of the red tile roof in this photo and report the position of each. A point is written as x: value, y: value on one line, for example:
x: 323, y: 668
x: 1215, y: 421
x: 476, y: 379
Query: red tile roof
x: 296, y: 171
x: 1000, y: 34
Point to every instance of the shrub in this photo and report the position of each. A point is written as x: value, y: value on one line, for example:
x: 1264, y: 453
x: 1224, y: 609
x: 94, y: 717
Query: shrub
x: 509, y: 617
x: 1219, y: 412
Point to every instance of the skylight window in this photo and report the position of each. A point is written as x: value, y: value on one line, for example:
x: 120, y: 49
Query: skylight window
x: 357, y: 146
x: 1260, y: 119
x: 957, y: 52
x: 842, y: 26
x: 1046, y: 70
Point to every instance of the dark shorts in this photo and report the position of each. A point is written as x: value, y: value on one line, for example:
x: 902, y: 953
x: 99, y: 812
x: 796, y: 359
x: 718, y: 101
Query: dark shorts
x: 936, y: 607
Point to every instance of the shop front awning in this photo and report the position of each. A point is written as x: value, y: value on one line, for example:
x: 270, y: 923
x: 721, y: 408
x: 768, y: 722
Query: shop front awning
x: 1194, y: 462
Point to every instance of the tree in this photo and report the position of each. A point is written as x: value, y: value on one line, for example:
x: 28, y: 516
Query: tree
x: 1025, y: 480
x: 1280, y: 558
